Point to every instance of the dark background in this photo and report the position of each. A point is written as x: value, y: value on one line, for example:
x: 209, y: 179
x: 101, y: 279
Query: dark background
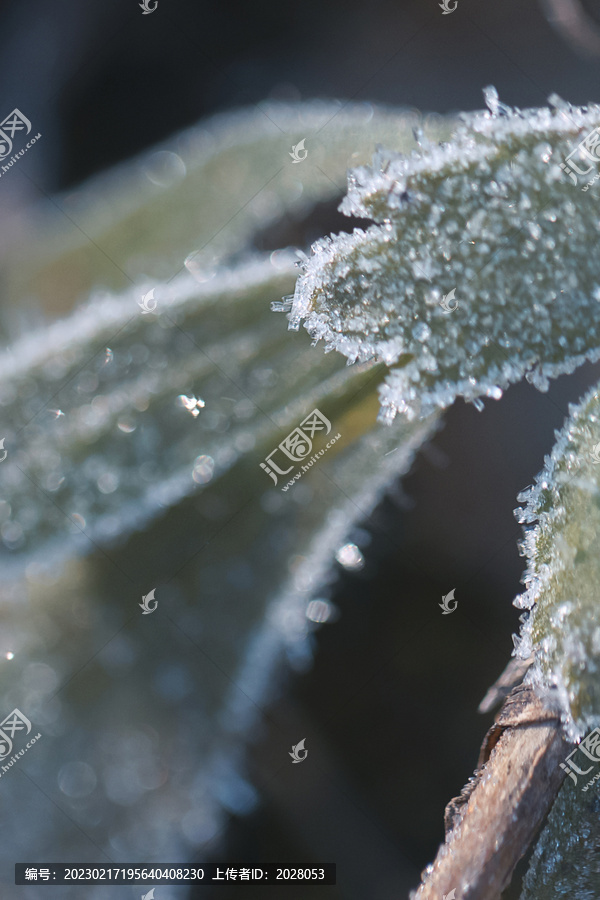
x: 391, y: 698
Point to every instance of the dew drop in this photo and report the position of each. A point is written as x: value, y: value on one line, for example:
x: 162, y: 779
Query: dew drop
x: 319, y: 611
x: 204, y: 467
x: 126, y: 425
x: 350, y: 557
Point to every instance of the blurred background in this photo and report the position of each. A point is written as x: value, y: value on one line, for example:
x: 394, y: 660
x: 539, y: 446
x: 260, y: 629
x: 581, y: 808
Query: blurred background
x: 390, y: 699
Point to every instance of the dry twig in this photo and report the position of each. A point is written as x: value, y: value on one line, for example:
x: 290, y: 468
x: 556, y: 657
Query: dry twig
x: 494, y: 821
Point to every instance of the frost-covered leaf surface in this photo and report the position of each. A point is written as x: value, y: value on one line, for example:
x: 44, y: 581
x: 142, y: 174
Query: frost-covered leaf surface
x: 95, y: 420
x: 178, y: 503
x: 565, y: 862
x: 491, y: 216
x: 197, y: 199
x: 563, y: 573
x: 111, y: 487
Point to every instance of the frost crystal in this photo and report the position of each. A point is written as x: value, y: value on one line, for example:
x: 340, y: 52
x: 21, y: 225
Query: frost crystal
x: 565, y: 860
x: 490, y: 214
x: 563, y: 573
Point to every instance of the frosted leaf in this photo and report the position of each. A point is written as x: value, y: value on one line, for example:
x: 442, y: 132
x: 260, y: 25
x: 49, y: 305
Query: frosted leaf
x: 212, y: 528
x: 565, y: 860
x: 490, y: 214
x: 127, y: 457
x: 196, y: 366
x: 563, y: 571
x: 147, y: 230
x: 166, y: 498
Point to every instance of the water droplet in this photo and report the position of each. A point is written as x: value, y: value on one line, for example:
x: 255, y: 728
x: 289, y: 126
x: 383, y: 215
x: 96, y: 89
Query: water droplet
x: 126, y: 425
x: 350, y: 557
x: 108, y: 483
x: 164, y: 168
x: 77, y: 779
x: 12, y: 534
x: 319, y: 611
x: 204, y: 467
x: 108, y: 355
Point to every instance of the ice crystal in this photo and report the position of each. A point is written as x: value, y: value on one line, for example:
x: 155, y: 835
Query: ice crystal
x: 490, y: 215
x: 563, y: 628
x: 565, y: 860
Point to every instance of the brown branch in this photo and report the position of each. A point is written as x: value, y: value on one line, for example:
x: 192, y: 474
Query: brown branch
x: 494, y: 821
x: 512, y: 675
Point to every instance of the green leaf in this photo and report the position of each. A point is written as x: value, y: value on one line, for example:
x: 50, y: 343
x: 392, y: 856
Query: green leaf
x: 563, y: 572
x: 490, y: 216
